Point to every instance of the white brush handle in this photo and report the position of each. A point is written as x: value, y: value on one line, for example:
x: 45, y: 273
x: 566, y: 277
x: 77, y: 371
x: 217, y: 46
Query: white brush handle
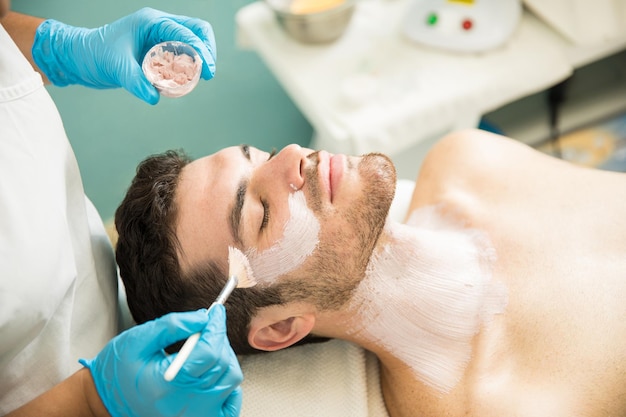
x: 185, y: 351
x: 183, y: 354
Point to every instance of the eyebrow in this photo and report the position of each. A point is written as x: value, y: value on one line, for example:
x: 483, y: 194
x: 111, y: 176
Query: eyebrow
x: 237, y: 207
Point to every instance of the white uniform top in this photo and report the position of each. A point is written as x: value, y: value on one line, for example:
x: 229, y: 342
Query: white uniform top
x: 58, y: 280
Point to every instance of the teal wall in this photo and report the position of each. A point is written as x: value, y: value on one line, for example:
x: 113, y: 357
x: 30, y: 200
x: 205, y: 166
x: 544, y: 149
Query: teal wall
x: 112, y: 131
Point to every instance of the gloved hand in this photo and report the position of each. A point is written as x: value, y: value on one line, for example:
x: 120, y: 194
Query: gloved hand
x: 111, y: 56
x: 128, y: 372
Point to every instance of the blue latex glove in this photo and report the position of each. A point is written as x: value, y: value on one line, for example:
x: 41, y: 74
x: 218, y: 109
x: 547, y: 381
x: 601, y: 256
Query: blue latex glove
x: 111, y: 56
x: 128, y: 372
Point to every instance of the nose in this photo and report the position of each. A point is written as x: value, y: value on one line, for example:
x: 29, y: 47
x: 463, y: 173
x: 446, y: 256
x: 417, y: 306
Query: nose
x: 285, y: 169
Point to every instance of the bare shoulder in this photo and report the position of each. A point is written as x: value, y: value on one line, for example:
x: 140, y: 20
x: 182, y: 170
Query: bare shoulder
x: 475, y: 150
x: 470, y: 160
x: 475, y: 165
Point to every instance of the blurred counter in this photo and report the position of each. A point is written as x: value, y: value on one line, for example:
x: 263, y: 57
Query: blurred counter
x: 376, y: 90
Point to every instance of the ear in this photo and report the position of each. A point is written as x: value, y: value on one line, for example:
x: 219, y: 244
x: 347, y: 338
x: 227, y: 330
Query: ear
x: 270, y: 334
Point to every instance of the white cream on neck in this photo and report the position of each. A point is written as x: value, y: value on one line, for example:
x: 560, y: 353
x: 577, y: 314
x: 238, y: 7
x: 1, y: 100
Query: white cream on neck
x: 426, y: 293
x: 299, y: 240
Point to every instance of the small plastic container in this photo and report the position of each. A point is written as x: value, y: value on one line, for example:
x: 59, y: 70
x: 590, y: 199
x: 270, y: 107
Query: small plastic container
x: 172, y: 67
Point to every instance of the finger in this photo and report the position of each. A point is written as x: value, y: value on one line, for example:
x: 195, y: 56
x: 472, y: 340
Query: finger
x: 171, y: 30
x: 223, y: 374
x: 232, y: 405
x: 204, y: 31
x: 212, y: 354
x: 171, y: 328
x: 232, y: 377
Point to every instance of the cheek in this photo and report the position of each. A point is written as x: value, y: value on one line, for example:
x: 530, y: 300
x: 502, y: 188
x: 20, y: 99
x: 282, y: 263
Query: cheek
x: 277, y: 232
x: 345, y: 247
x: 348, y: 239
x: 298, y: 241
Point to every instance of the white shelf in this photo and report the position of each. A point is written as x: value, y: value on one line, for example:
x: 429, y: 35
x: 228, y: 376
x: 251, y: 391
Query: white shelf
x: 414, y: 92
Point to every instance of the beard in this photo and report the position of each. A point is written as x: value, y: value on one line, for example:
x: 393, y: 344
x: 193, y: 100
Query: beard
x: 330, y: 276
x: 379, y: 186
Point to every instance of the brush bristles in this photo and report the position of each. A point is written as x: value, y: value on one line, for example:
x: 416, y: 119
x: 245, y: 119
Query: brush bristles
x: 239, y: 266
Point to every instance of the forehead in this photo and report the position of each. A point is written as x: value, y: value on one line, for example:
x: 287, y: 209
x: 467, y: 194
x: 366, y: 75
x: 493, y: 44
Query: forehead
x: 203, y: 197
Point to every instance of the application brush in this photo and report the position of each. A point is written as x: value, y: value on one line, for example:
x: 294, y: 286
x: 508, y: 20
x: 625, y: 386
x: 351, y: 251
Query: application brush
x: 239, y: 276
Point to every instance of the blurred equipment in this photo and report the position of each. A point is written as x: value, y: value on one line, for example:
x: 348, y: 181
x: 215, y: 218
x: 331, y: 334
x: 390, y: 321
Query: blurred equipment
x: 462, y: 25
x: 583, y: 21
x: 313, y: 21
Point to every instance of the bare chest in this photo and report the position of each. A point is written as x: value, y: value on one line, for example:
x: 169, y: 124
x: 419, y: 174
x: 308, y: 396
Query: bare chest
x: 559, y: 349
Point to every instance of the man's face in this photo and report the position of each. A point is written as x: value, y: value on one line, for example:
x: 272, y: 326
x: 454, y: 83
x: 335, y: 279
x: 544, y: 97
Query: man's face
x: 240, y: 197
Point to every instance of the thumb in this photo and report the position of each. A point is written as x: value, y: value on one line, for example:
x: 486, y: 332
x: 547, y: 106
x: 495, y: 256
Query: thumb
x: 136, y: 83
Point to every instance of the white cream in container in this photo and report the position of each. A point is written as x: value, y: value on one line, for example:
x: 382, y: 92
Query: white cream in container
x: 173, y: 68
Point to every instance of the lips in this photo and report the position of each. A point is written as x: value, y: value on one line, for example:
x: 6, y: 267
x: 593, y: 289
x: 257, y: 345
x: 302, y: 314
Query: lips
x: 330, y: 169
x: 335, y: 173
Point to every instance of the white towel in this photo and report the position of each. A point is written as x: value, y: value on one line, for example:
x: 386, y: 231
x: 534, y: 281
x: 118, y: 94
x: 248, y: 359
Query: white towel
x: 334, y: 378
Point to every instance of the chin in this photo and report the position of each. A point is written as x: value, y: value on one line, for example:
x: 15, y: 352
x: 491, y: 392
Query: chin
x: 378, y: 176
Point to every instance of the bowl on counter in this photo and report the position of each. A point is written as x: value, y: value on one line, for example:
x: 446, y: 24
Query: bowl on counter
x: 313, y: 21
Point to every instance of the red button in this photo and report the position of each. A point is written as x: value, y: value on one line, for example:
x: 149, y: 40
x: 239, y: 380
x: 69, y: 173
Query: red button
x: 467, y: 24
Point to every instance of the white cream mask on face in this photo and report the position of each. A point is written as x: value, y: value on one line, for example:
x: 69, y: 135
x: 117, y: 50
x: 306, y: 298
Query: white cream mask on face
x: 432, y: 281
x: 299, y: 240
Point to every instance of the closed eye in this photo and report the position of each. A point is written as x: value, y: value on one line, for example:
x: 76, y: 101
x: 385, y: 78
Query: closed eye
x: 266, y: 207
x: 266, y: 215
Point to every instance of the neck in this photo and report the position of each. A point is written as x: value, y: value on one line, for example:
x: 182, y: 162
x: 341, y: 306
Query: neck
x: 426, y: 293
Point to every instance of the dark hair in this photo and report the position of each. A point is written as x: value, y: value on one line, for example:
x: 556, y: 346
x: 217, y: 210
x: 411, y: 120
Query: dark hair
x: 147, y: 246
x: 147, y: 254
